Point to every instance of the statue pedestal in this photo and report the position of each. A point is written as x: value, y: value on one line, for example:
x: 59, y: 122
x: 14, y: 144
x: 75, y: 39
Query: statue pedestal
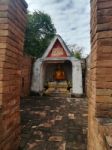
x: 57, y: 87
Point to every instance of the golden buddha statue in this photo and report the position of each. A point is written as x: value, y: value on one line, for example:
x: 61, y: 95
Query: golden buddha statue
x: 59, y: 74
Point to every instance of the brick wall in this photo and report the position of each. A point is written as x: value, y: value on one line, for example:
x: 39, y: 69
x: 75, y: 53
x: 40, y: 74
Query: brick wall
x: 100, y: 98
x: 26, y: 72
x: 12, y: 27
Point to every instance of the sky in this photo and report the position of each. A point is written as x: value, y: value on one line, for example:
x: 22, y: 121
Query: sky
x: 70, y: 17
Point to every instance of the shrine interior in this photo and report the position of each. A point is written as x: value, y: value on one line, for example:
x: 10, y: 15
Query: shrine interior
x: 57, y: 76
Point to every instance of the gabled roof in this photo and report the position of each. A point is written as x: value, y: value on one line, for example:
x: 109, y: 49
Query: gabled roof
x: 57, y: 37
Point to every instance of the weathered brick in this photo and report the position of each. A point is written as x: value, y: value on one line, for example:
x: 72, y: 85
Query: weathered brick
x: 100, y: 74
x: 12, y: 27
x: 105, y: 92
x: 104, y: 4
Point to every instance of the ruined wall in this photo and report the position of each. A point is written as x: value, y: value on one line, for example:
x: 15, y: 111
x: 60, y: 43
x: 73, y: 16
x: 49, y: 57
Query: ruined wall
x: 26, y: 73
x: 12, y: 27
x: 87, y: 76
x: 100, y: 98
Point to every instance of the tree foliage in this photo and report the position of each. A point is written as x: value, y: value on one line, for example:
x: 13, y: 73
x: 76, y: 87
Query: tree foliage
x: 76, y: 51
x: 39, y: 32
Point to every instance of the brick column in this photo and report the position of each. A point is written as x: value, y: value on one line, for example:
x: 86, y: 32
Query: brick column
x: 26, y: 70
x: 12, y: 28
x: 100, y: 99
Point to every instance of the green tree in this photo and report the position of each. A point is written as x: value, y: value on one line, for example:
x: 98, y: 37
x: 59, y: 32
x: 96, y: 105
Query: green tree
x: 76, y: 51
x: 39, y: 32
